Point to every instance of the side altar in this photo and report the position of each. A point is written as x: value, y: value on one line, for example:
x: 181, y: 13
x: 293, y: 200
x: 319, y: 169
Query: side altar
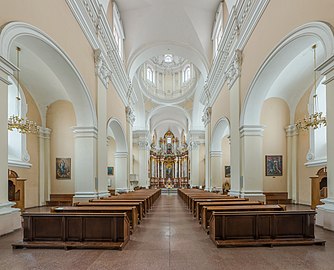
x: 169, y: 162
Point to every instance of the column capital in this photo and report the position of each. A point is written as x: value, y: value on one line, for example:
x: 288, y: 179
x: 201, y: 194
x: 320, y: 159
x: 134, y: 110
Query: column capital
x: 85, y: 132
x: 206, y: 118
x: 327, y: 69
x: 101, y: 68
x: 130, y: 117
x: 7, y: 69
x: 251, y: 130
x: 291, y: 131
x: 44, y: 132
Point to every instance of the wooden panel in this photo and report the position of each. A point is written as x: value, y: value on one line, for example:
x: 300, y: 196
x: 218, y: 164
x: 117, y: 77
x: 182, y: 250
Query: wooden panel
x: 48, y: 228
x: 241, y: 227
x: 74, y: 229
x: 97, y: 228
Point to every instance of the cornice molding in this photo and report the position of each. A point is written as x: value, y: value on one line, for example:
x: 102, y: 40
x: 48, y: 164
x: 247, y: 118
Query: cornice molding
x: 101, y: 68
x: 227, y: 63
x: 94, y: 24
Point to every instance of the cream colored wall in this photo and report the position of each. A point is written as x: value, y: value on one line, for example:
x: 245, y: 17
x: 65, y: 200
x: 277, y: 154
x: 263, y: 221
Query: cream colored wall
x: 221, y: 107
x: 60, y: 118
x: 201, y: 165
x: 279, y: 19
x: 115, y: 107
x: 31, y: 174
x: 304, y: 173
x: 275, y: 117
x: 226, y: 157
x: 57, y: 21
x: 111, y: 159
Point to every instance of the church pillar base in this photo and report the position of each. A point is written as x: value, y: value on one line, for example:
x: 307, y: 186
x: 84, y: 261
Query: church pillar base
x: 10, y: 218
x: 253, y: 195
x: 86, y: 196
x: 325, y: 214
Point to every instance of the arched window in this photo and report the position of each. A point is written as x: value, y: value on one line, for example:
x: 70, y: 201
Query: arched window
x: 17, y: 150
x: 118, y: 32
x: 186, y: 73
x: 149, y: 74
x: 317, y: 155
x: 217, y: 32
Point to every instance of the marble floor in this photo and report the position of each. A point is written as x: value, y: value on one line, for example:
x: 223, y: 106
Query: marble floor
x: 169, y: 238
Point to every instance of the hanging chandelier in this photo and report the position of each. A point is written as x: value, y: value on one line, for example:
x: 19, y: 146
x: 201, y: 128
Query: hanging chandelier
x: 316, y: 119
x: 16, y: 122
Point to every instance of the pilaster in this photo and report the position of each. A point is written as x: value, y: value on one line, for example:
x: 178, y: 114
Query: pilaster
x: 207, y: 123
x: 292, y: 136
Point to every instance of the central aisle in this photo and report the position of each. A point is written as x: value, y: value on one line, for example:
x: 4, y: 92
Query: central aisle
x: 169, y: 238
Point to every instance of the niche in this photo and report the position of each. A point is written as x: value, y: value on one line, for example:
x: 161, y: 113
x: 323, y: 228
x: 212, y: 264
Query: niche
x: 16, y: 189
x: 319, y: 187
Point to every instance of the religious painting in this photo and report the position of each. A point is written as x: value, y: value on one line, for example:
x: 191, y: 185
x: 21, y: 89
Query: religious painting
x: 110, y: 170
x: 63, y: 168
x: 274, y: 165
x: 227, y: 171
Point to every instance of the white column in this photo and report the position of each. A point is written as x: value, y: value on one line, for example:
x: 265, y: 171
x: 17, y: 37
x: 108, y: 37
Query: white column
x: 292, y: 181
x: 235, y: 157
x: 252, y: 162
x: 121, y: 172
x: 216, y: 169
x: 130, y: 119
x: 10, y: 219
x: 325, y: 212
x: 143, y: 157
x: 85, y: 172
x: 102, y: 148
x: 207, y: 123
x: 197, y: 137
x: 44, y: 165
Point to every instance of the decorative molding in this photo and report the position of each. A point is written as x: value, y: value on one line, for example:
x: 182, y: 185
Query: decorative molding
x: 101, y: 68
x: 94, y: 24
x: 121, y: 155
x: 316, y: 163
x: 206, y: 118
x: 216, y: 154
x: 234, y: 70
x: 240, y: 25
x: 251, y: 131
x: 19, y: 163
x: 130, y: 117
x: 85, y: 132
x: 8, y: 69
x: 193, y: 145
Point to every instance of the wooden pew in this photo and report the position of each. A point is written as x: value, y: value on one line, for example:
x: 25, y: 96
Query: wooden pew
x: 196, y: 201
x: 74, y: 230
x: 208, y: 210
x: 258, y: 228
x: 138, y: 205
x: 200, y: 205
x: 131, y: 211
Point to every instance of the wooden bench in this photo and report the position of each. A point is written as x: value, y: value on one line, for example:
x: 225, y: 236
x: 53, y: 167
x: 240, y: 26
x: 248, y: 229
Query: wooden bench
x: 60, y: 200
x: 138, y: 205
x: 260, y: 228
x: 208, y: 210
x: 75, y: 230
x: 197, y: 201
x: 131, y: 211
x: 200, y: 205
x: 277, y: 198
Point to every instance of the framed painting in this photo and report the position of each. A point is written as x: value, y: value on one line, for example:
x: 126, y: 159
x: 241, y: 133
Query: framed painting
x: 274, y: 165
x: 110, y: 170
x: 227, y: 171
x: 63, y: 168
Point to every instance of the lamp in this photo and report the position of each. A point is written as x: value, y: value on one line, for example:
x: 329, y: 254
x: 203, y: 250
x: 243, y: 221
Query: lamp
x: 314, y: 120
x: 16, y: 121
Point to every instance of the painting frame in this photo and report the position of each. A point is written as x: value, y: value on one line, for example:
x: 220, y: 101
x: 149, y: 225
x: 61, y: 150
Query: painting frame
x: 274, y: 165
x: 227, y: 171
x: 63, y: 168
x: 110, y: 170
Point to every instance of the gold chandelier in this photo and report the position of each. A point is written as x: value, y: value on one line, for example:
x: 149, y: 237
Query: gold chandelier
x: 22, y: 125
x: 316, y: 119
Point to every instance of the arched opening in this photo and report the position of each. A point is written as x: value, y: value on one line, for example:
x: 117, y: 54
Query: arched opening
x: 118, y: 174
x: 220, y: 155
